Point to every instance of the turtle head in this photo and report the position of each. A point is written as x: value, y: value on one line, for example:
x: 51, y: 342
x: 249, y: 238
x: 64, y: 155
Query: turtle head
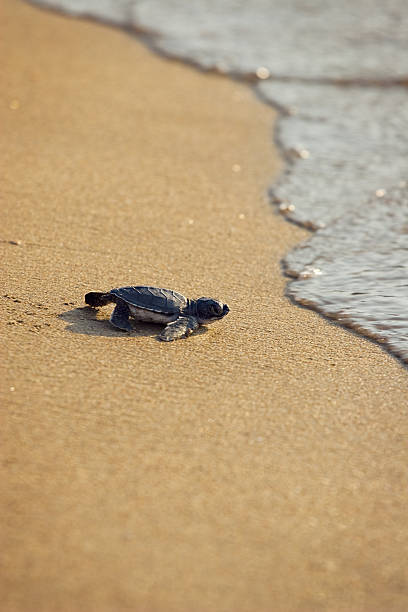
x: 209, y: 310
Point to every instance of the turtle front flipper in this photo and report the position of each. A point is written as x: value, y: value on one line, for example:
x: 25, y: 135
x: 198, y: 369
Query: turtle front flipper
x: 120, y: 316
x: 180, y: 328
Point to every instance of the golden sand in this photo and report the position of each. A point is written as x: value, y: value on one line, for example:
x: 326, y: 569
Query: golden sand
x: 259, y: 466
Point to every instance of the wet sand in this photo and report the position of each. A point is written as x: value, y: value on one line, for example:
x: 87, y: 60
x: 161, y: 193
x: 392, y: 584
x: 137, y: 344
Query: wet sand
x: 259, y: 465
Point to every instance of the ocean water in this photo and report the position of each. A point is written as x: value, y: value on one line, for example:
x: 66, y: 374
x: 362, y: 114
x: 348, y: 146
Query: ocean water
x: 338, y: 73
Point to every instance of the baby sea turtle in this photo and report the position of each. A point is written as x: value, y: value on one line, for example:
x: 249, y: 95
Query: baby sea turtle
x: 151, y: 304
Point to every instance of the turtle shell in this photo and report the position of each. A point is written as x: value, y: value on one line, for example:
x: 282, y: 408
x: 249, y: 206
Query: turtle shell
x: 163, y: 301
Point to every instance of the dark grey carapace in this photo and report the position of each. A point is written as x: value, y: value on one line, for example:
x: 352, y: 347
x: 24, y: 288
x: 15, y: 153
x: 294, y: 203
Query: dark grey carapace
x: 152, y: 304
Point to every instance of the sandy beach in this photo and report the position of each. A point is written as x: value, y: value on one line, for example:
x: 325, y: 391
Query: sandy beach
x: 260, y: 465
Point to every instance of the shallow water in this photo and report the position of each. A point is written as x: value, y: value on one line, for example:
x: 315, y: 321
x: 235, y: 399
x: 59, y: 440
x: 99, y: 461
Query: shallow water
x: 303, y: 39
x: 356, y: 270
x: 339, y: 74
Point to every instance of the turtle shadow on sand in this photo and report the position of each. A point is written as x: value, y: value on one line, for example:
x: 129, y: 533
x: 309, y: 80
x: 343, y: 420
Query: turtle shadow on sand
x: 84, y: 320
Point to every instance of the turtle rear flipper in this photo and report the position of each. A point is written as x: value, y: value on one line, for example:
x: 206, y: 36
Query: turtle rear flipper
x: 120, y: 316
x: 98, y: 298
